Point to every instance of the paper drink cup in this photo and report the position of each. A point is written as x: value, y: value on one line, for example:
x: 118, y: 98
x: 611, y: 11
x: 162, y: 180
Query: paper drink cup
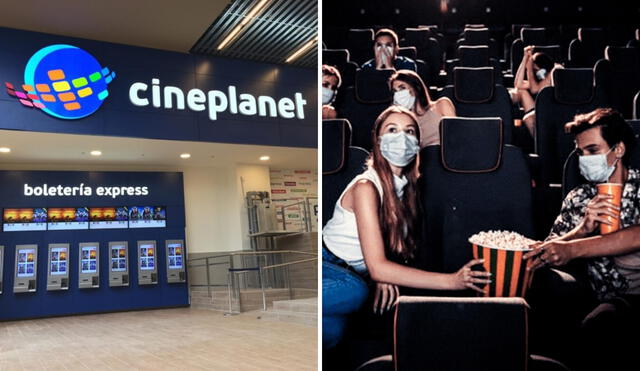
x: 615, y: 190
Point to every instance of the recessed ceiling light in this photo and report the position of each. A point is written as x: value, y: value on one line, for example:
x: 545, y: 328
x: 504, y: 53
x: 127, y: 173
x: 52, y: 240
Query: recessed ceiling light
x: 5, y: 149
x: 253, y: 13
x: 96, y: 153
x: 264, y: 158
x: 185, y: 155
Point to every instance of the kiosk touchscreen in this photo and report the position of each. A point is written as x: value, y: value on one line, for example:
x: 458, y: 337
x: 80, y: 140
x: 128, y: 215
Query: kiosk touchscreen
x: 147, y: 267
x: 89, y: 276
x: 118, y: 263
x: 175, y: 261
x: 58, y: 267
x: 1, y: 265
x: 26, y: 268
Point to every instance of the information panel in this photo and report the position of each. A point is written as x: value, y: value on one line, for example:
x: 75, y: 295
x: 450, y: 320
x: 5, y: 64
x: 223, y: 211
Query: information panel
x: 29, y: 219
x: 67, y: 218
x: 147, y: 217
x: 108, y: 217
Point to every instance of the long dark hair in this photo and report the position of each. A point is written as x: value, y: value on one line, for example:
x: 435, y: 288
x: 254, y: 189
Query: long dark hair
x: 543, y: 60
x: 414, y: 80
x: 395, y: 214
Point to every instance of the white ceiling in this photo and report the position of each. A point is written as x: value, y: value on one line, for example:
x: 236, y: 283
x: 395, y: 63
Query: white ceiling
x: 163, y: 24
x: 30, y: 148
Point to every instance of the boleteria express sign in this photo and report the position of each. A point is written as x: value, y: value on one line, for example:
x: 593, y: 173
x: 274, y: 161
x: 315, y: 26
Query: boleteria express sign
x: 67, y: 82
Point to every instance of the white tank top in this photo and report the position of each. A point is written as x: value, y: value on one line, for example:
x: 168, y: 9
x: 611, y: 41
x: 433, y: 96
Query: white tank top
x: 340, y: 234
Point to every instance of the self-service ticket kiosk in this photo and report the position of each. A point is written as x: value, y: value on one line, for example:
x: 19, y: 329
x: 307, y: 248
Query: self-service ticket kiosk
x: 89, y: 269
x: 119, y: 263
x: 1, y: 265
x: 147, y: 267
x: 175, y: 261
x: 58, y: 267
x: 26, y: 269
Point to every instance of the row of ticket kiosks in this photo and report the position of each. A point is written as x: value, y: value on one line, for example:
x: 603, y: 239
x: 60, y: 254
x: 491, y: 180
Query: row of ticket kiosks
x: 26, y: 265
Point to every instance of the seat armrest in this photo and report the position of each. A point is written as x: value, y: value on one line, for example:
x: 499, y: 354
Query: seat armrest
x: 452, y: 333
x: 533, y: 160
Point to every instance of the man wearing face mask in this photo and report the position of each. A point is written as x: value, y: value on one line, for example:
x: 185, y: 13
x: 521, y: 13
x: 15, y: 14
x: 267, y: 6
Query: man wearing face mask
x: 331, y: 81
x: 604, y: 142
x: 385, y: 48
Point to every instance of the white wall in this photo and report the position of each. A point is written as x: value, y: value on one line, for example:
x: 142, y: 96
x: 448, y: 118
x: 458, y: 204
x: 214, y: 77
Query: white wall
x: 215, y: 208
x: 212, y: 210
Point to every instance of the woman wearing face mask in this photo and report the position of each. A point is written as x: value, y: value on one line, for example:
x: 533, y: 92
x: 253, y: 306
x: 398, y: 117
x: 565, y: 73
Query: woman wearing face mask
x: 410, y: 92
x: 536, y: 68
x: 331, y: 81
x: 375, y: 226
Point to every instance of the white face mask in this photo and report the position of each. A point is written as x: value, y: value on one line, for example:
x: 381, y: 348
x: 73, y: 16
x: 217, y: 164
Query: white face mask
x: 399, y: 148
x: 541, y: 74
x: 595, y: 167
x: 404, y: 98
x: 327, y: 95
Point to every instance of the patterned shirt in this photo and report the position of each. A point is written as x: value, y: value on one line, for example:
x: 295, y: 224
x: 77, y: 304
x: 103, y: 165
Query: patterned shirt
x: 609, y: 276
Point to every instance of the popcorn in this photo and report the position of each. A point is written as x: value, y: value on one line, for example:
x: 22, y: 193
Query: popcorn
x: 504, y: 240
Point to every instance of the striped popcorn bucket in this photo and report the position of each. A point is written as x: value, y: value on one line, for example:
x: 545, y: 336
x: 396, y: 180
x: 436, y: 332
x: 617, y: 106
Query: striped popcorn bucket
x: 510, y: 276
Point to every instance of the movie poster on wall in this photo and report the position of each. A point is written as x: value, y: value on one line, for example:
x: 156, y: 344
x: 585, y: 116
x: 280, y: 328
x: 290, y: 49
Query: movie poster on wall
x: 108, y: 217
x: 147, y: 217
x: 67, y: 218
x: 25, y: 219
x: 290, y: 187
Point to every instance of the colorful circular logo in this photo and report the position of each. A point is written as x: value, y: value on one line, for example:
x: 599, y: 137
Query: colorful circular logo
x: 64, y: 81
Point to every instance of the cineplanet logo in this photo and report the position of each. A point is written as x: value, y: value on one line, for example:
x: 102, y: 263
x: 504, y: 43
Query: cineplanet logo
x: 216, y: 101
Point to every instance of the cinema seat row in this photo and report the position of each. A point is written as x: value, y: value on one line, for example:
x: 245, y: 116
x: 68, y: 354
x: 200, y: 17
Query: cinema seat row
x: 573, y: 46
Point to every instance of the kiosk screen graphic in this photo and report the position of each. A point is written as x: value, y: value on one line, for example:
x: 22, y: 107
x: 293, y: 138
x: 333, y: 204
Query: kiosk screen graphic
x: 147, y: 257
x: 58, y: 261
x: 26, y: 262
x: 118, y: 258
x: 89, y: 259
x: 175, y: 255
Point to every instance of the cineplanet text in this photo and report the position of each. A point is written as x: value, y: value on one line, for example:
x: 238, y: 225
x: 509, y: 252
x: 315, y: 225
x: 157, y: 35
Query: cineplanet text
x: 216, y: 101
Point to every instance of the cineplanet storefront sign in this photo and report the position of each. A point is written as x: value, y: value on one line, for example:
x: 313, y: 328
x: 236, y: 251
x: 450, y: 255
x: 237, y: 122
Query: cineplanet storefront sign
x: 47, y: 190
x: 216, y: 101
x: 87, y: 87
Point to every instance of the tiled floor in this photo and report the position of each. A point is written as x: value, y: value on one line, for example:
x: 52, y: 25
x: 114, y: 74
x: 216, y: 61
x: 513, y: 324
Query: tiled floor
x: 169, y: 339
